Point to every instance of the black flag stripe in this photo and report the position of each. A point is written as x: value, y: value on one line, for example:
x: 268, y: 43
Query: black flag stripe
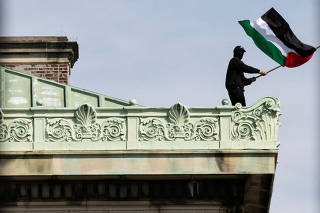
x: 282, y: 30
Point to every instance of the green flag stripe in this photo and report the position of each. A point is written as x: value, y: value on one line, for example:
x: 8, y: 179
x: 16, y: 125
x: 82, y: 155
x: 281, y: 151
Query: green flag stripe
x: 266, y: 46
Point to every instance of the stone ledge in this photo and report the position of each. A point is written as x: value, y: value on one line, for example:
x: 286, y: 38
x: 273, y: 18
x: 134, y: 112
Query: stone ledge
x: 138, y: 164
x: 38, y: 49
x: 121, y: 152
x: 4, y: 39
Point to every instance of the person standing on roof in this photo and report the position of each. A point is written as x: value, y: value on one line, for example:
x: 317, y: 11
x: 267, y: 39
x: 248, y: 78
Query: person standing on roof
x: 235, y: 79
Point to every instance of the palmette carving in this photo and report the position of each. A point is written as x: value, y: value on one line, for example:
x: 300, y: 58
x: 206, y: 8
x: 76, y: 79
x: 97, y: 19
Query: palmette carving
x: 85, y: 115
x: 178, y: 127
x: 85, y: 127
x: 178, y: 115
x: 18, y: 130
x: 256, y: 123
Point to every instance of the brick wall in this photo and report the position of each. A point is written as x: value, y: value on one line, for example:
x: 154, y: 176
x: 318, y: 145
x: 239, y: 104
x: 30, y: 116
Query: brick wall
x: 56, y: 72
x: 48, y: 57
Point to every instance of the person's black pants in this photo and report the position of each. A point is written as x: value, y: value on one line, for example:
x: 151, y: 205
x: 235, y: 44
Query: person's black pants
x: 237, y: 96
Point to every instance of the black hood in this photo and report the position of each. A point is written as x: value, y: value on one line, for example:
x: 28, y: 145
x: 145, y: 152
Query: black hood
x: 238, y: 52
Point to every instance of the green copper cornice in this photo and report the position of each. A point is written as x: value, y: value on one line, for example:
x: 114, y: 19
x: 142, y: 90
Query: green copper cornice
x: 141, y: 128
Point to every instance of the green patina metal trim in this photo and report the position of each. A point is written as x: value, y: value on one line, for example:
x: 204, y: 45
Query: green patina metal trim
x: 42, y: 93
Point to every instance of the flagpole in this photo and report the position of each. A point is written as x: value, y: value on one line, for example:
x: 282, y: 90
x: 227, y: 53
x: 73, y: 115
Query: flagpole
x: 269, y: 71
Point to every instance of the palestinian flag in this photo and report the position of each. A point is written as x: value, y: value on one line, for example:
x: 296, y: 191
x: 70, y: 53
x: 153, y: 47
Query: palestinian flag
x: 272, y: 34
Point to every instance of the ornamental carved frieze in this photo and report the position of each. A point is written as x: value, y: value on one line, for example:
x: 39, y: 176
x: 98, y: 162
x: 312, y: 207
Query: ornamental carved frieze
x: 259, y: 122
x: 178, y: 126
x: 85, y: 127
x: 17, y: 130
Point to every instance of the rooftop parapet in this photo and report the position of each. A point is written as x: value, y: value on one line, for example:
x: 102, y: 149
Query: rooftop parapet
x: 134, y: 128
x: 87, y: 121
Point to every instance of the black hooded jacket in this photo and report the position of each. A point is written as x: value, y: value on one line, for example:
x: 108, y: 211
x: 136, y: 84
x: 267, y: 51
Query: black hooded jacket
x: 235, y: 78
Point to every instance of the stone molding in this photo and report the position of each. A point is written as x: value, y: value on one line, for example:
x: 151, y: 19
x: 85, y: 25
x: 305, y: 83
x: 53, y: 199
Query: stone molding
x: 43, y: 49
x: 126, y: 128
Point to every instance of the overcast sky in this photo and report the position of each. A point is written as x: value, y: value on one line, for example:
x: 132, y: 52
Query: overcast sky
x: 162, y: 52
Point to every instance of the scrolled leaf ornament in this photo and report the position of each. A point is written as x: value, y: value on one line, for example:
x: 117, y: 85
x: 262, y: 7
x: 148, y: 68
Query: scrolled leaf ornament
x: 4, y: 132
x: 259, y: 122
x: 245, y: 130
x: 257, y: 112
x: 207, y: 129
x: 60, y: 130
x: 18, y: 130
x: 152, y: 129
x: 114, y: 129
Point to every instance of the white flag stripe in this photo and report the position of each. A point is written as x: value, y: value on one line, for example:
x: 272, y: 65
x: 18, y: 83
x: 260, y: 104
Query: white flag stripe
x: 262, y: 27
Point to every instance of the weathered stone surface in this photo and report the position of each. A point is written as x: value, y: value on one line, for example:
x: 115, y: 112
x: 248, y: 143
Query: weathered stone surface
x: 178, y: 162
